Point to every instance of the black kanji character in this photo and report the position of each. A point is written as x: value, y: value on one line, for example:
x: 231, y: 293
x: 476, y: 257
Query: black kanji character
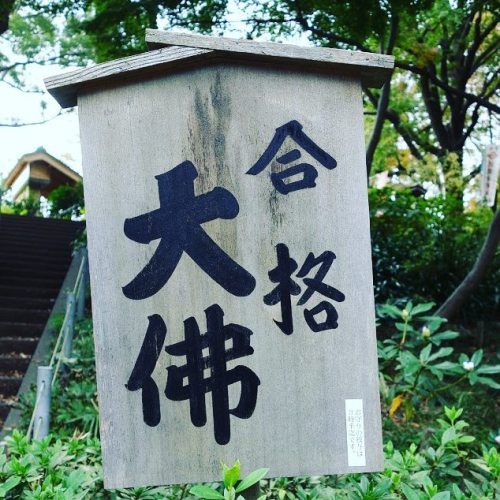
x: 293, y: 129
x: 220, y: 377
x: 281, y: 274
x: 144, y: 367
x: 177, y: 223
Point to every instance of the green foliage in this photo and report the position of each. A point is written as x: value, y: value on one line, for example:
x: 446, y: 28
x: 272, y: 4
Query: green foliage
x: 233, y: 484
x: 66, y: 202
x: 101, y: 30
x: 424, y: 375
x: 423, y: 248
x: 74, y: 402
x: 50, y: 468
x: 28, y: 206
x: 417, y: 369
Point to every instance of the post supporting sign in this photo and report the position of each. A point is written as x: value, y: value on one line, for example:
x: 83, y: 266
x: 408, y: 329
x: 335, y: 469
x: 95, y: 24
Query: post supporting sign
x: 230, y: 263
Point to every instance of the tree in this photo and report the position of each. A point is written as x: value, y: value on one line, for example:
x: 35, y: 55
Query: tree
x: 441, y: 96
x: 448, y: 49
x: 446, y: 52
x: 66, y: 202
x: 450, y: 308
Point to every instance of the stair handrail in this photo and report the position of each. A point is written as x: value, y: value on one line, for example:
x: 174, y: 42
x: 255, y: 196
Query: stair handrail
x: 47, y: 375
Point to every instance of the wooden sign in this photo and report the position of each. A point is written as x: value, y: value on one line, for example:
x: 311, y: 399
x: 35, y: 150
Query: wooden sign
x: 230, y: 262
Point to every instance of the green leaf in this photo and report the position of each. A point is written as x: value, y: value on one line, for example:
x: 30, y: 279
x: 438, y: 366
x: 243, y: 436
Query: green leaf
x: 11, y: 483
x: 420, y: 308
x: 448, y: 435
x: 382, y: 488
x: 443, y: 352
x: 425, y: 353
x: 466, y: 439
x: 477, y: 357
x: 443, y: 495
x: 489, y: 382
x: 447, y: 335
x: 473, y: 488
x: 231, y: 474
x: 448, y: 366
x: 452, y: 413
x: 202, y: 491
x: 251, y: 479
x: 390, y: 310
x: 409, y: 493
x: 489, y: 369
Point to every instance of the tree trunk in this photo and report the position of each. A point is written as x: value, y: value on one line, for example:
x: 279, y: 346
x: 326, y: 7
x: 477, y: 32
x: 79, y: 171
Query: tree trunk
x: 5, y: 10
x: 383, y: 103
x: 453, y: 303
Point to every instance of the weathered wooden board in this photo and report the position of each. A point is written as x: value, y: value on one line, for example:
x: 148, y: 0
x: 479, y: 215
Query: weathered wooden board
x: 317, y: 406
x: 66, y: 86
x: 373, y: 69
x: 185, y: 51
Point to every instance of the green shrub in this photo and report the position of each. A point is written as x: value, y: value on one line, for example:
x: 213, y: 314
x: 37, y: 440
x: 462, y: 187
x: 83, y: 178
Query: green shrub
x: 431, y: 451
x: 67, y: 201
x: 422, y: 249
x: 29, y: 206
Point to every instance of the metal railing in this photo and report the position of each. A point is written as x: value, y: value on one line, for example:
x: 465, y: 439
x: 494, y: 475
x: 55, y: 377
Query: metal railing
x: 47, y: 375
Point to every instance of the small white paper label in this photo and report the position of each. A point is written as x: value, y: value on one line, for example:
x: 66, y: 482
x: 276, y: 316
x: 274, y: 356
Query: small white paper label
x: 355, y: 432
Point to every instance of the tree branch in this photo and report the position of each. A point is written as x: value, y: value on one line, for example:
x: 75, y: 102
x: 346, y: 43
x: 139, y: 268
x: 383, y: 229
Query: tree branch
x: 17, y: 123
x: 302, y: 21
x: 476, y: 44
x: 455, y: 301
x: 18, y: 87
x: 473, y: 98
x: 485, y: 54
x: 431, y: 99
x: 472, y: 124
x: 383, y: 101
x: 6, y: 7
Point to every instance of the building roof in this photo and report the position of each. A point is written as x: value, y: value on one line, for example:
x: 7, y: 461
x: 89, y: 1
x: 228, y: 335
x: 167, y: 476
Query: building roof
x: 181, y: 51
x: 40, y: 155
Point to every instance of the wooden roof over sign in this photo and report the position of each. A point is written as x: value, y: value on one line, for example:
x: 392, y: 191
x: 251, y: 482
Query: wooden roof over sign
x: 179, y: 51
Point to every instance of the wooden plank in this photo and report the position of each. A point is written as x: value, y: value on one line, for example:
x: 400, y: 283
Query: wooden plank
x: 66, y: 86
x: 374, y: 69
x: 187, y: 51
x: 316, y: 387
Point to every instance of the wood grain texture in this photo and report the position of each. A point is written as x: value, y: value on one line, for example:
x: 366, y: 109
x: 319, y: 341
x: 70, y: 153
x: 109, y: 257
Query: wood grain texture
x: 373, y: 69
x: 66, y: 86
x: 186, y: 51
x: 222, y: 119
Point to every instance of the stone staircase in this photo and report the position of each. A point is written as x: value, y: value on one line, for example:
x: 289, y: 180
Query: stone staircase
x: 35, y: 254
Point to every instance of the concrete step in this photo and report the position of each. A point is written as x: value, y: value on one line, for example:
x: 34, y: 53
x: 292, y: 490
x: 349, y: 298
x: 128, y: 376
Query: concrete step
x: 9, y: 385
x: 27, y: 302
x: 14, y: 362
x: 21, y: 329
x: 16, y: 233
x: 11, y: 220
x: 4, y: 411
x: 45, y: 259
x: 17, y: 345
x: 19, y: 281
x: 9, y: 290
x: 14, y: 262
x: 33, y: 272
x: 34, y: 247
x: 11, y: 314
